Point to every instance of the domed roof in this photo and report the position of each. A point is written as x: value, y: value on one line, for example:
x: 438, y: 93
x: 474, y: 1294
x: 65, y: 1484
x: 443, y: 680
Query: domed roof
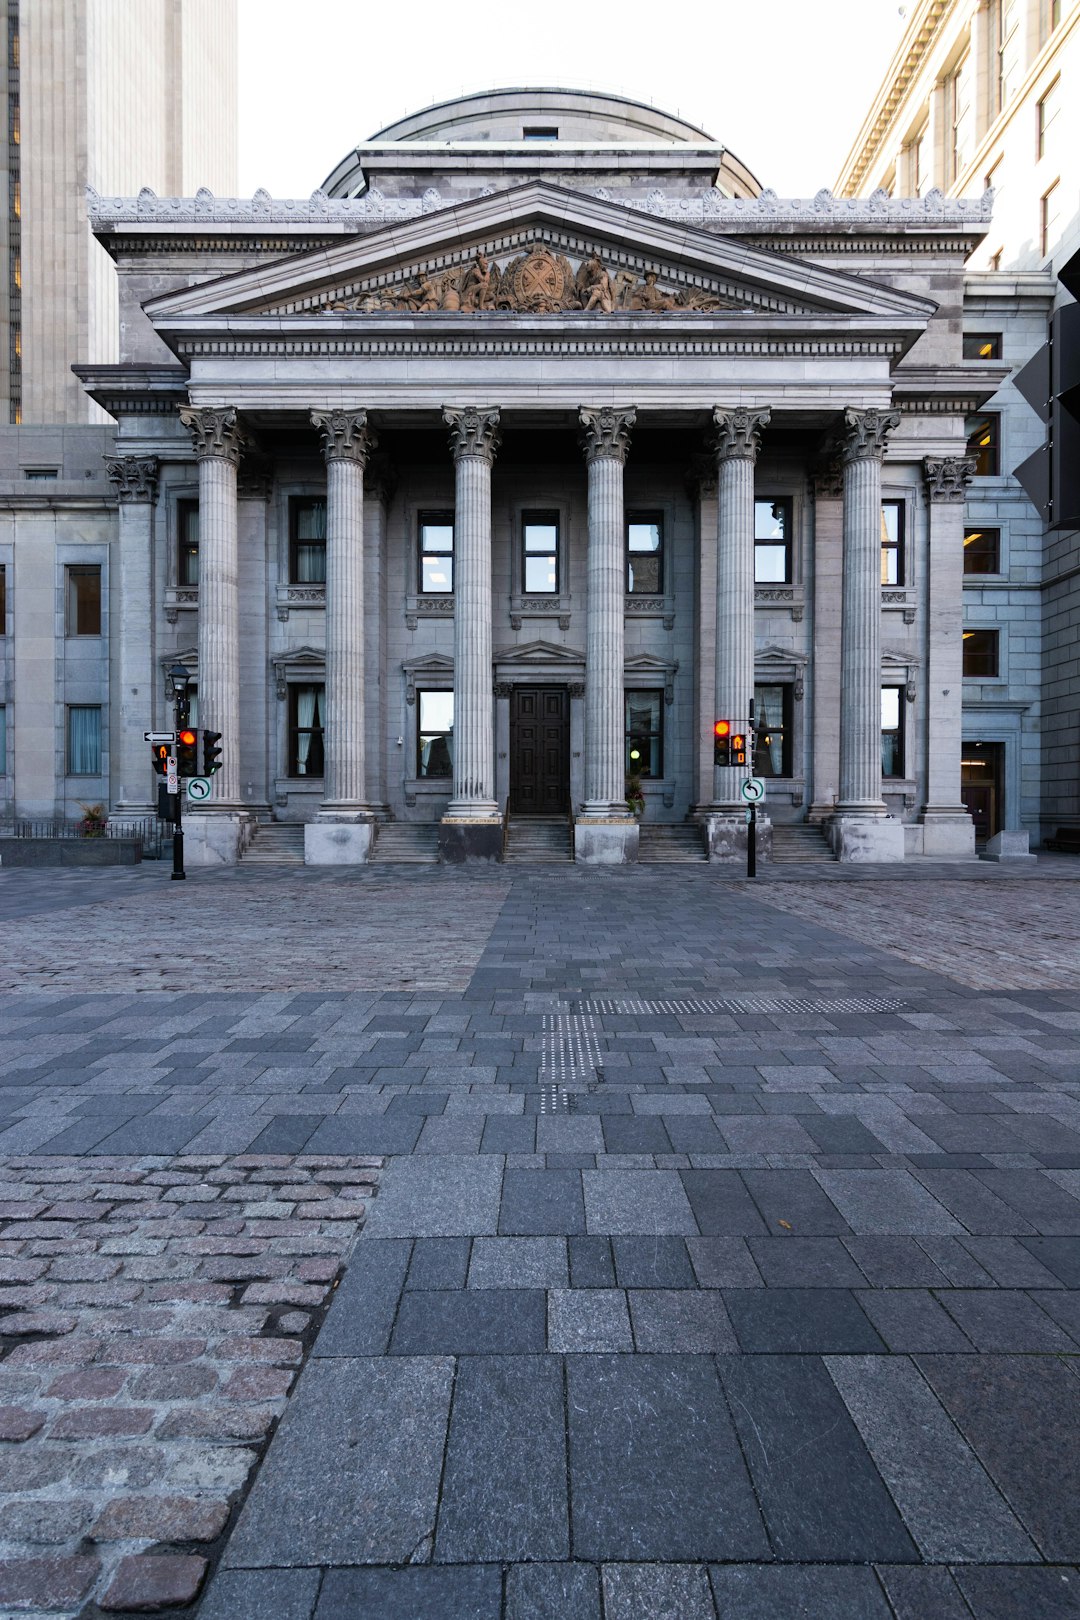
x: 542, y: 114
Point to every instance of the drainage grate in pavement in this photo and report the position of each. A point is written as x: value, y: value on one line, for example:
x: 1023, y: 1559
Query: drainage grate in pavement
x: 571, y: 1048
x: 745, y: 1004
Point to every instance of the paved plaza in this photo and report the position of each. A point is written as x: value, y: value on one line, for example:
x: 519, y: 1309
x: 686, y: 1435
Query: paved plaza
x: 406, y: 1244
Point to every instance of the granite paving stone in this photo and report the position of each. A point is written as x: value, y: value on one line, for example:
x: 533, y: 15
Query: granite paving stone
x: 477, y: 1321
x: 927, y: 1593
x: 411, y: 1594
x: 800, y: 1320
x: 588, y: 1320
x: 797, y: 1592
x: 1036, y: 1594
x: 661, y: 1591
x: 438, y: 1197
x: 911, y: 1320
x: 552, y: 1592
x: 541, y: 1203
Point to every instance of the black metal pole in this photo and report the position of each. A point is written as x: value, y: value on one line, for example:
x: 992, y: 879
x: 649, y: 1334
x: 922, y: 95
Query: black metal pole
x: 751, y: 842
x: 178, y: 873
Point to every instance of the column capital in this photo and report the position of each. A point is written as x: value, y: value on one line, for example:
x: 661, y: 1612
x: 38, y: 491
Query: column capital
x: 135, y: 477
x: 345, y: 435
x: 474, y: 431
x: 947, y: 478
x: 866, y: 433
x: 605, y: 431
x: 215, y: 430
x: 738, y: 433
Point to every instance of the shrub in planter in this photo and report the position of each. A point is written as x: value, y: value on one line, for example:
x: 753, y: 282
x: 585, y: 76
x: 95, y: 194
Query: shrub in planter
x: 94, y: 821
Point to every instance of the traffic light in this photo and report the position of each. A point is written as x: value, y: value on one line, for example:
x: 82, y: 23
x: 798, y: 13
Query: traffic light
x: 159, y: 753
x: 187, y: 752
x: 211, y: 752
x: 738, y: 748
x: 722, y: 742
x: 1050, y: 382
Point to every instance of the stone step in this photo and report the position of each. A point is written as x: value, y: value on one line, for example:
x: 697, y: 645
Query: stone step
x: 801, y: 844
x: 670, y: 843
x: 276, y: 843
x: 404, y: 841
x: 538, y: 838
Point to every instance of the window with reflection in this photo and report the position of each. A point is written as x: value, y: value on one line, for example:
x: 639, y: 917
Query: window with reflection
x: 892, y: 731
x: 306, y: 710
x: 892, y: 542
x: 307, y: 541
x: 540, y: 553
x: 983, y: 442
x: 84, y: 599
x: 982, y: 345
x: 772, y: 541
x: 644, y: 734
x: 772, y: 730
x: 435, y: 738
x: 982, y: 551
x: 435, y: 570
x: 187, y: 516
x: 981, y: 655
x: 644, y: 553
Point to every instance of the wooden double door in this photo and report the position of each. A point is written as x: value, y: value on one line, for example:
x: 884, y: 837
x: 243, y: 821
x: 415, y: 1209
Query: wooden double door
x: 539, y: 750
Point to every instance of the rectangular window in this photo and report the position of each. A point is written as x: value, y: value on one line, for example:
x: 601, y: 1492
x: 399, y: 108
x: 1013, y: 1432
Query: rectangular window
x: 436, y: 571
x: 187, y: 516
x: 306, y: 730
x: 540, y: 132
x: 645, y: 734
x: 892, y: 542
x: 83, y: 600
x: 540, y: 553
x: 40, y: 475
x: 982, y: 345
x: 962, y: 118
x: 983, y: 443
x: 981, y: 655
x: 84, y: 740
x: 1010, y: 50
x: 772, y: 541
x: 1048, y: 109
x: 3, y: 739
x: 772, y: 731
x: 1049, y: 19
x: 1050, y: 219
x: 982, y: 551
x: 307, y: 541
x: 644, y: 553
x: 892, y: 731
x: 435, y: 737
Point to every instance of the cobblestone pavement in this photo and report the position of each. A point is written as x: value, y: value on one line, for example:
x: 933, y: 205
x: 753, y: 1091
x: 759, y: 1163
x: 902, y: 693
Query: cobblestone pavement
x: 724, y: 1265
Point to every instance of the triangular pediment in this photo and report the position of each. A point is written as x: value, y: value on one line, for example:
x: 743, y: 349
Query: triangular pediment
x: 544, y: 653
x: 536, y: 250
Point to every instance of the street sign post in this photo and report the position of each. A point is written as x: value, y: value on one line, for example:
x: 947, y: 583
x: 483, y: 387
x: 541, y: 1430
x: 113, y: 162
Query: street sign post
x: 172, y: 776
x: 753, y: 790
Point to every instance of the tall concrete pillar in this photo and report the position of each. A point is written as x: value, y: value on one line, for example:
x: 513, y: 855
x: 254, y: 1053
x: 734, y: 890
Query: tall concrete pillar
x: 827, y: 485
x: 342, y: 831
x: 862, y: 830
x: 379, y: 483
x: 947, y: 826
x: 736, y: 444
x: 134, y: 694
x: 472, y: 826
x: 606, y: 832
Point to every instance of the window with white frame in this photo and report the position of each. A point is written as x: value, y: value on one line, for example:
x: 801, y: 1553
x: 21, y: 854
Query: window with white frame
x: 435, y: 734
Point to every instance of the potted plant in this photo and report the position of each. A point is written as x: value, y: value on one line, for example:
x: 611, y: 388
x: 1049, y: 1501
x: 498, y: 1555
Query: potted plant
x: 635, y: 799
x: 94, y: 821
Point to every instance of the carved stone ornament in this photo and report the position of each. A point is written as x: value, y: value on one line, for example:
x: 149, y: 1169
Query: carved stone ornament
x: 867, y: 433
x: 738, y: 433
x: 827, y: 477
x: 135, y: 477
x: 502, y: 689
x: 576, y: 689
x: 345, y: 435
x: 947, y: 479
x: 605, y: 432
x: 215, y: 431
x: 701, y: 476
x: 473, y: 432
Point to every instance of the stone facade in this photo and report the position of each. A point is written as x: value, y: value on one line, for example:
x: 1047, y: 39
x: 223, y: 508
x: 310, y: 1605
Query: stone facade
x: 694, y: 395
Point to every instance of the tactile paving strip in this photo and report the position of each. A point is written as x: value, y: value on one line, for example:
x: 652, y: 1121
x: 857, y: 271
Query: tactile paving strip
x: 745, y: 1004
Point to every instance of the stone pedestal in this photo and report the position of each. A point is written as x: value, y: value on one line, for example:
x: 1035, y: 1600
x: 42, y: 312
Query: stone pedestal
x: 727, y: 834
x: 606, y: 842
x: 949, y: 837
x: 866, y: 839
x: 338, y: 840
x: 1011, y: 847
x: 216, y: 838
x: 472, y: 826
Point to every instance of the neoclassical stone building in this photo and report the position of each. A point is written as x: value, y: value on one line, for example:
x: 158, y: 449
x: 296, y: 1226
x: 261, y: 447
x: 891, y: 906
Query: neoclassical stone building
x: 485, y: 480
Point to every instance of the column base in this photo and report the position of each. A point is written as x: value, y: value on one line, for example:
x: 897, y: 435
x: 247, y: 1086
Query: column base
x: 216, y: 840
x: 469, y: 838
x: 727, y: 833
x: 1009, y: 846
x: 949, y: 833
x: 605, y: 840
x: 866, y: 839
x: 338, y: 838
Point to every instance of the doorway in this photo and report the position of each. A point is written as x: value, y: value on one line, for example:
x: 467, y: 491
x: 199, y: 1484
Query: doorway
x: 981, y: 777
x: 539, y: 750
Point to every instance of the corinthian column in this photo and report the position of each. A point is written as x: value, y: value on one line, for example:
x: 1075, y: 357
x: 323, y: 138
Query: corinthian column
x: 605, y: 439
x: 947, y: 826
x: 474, y: 441
x: 347, y: 443
x: 135, y: 478
x: 737, y: 442
x: 218, y: 442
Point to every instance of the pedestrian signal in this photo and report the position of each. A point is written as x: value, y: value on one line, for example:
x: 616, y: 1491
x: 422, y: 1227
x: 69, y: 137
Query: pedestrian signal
x: 187, y: 752
x: 159, y: 753
x: 738, y: 749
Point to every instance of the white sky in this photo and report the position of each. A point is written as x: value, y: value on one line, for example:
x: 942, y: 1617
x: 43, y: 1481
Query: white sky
x: 783, y: 83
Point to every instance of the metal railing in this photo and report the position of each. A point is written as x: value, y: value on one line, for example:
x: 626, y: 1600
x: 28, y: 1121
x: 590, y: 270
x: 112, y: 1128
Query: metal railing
x: 154, y: 835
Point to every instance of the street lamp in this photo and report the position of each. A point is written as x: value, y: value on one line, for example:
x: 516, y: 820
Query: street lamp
x: 180, y: 681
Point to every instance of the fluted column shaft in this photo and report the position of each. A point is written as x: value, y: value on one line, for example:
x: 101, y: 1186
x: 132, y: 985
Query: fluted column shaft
x: 347, y: 442
x: 218, y: 443
x: 738, y: 439
x: 606, y: 441
x: 135, y: 478
x: 860, y: 638
x: 946, y: 486
x: 474, y: 440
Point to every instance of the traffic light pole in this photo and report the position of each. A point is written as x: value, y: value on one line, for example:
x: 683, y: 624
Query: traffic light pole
x: 178, y: 873
x: 751, y: 814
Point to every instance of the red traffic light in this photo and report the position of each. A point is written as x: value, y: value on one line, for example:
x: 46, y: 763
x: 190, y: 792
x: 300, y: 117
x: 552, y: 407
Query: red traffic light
x: 722, y: 728
x: 189, y: 738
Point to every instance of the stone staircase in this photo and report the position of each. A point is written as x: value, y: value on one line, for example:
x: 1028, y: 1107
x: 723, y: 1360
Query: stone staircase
x: 538, y: 838
x: 800, y: 843
x: 276, y: 843
x: 416, y: 842
x: 670, y: 842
